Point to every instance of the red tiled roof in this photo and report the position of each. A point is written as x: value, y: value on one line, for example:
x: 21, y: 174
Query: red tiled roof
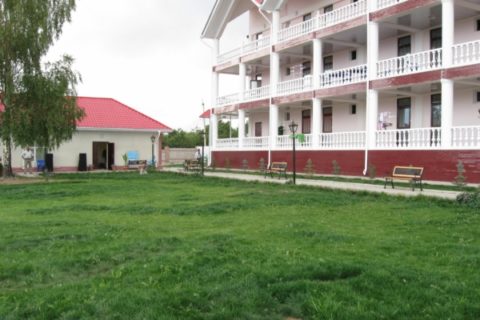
x: 107, y: 113
x: 206, y: 114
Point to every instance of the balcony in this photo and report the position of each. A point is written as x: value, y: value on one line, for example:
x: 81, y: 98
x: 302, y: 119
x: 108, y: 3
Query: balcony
x: 255, y: 143
x: 285, y: 142
x: 343, y: 140
x: 381, y: 4
x: 328, y: 19
x: 466, y: 53
x: 421, y: 138
x: 228, y: 99
x: 247, y: 48
x: 257, y: 94
x: 410, y: 63
x: 294, y: 86
x: 343, y: 76
x: 466, y: 137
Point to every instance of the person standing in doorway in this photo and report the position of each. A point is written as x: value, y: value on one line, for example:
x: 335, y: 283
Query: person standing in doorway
x: 27, y: 156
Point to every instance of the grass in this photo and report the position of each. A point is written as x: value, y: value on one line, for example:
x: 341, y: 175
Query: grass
x: 166, y: 246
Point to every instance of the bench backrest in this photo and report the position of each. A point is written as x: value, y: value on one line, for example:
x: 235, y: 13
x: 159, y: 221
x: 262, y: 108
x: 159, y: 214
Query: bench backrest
x: 278, y: 165
x: 407, y: 172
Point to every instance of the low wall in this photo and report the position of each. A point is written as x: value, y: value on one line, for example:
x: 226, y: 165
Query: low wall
x: 178, y: 155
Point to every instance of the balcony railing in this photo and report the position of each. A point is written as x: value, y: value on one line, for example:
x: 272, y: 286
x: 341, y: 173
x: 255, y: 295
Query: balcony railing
x: 466, y: 137
x: 295, y: 86
x: 343, y: 76
x: 257, y: 93
x: 285, y: 142
x: 422, y: 138
x: 228, y: 99
x: 247, y: 48
x: 410, y: 63
x: 231, y: 143
x: 296, y: 30
x: 343, y: 140
x: 342, y: 14
x: 387, y: 3
x: 255, y: 143
x: 466, y: 53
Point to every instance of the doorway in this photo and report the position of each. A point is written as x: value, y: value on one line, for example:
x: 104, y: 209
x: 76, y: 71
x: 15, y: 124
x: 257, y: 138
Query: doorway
x: 103, y: 155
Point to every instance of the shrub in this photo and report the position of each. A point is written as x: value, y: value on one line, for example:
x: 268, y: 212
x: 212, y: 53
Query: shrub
x: 460, y: 180
x: 470, y: 199
x: 372, y: 171
x: 245, y: 164
x: 336, y: 170
x: 310, y: 168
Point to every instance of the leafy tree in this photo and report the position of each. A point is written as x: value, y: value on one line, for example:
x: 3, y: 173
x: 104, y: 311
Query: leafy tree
x: 179, y: 138
x: 39, y: 102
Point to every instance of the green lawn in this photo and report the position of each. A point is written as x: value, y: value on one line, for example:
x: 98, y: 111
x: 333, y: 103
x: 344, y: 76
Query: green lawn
x: 166, y: 246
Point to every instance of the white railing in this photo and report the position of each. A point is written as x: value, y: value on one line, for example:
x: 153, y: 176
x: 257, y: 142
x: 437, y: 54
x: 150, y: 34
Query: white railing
x: 466, y: 53
x: 286, y: 142
x: 228, y: 99
x: 410, y: 63
x: 422, y: 138
x: 255, y: 142
x: 257, y: 93
x: 229, y: 55
x: 296, y: 30
x: 343, y: 76
x: 466, y: 137
x: 230, y: 143
x: 256, y: 45
x: 344, y: 13
x: 295, y: 86
x: 342, y: 140
x: 387, y: 3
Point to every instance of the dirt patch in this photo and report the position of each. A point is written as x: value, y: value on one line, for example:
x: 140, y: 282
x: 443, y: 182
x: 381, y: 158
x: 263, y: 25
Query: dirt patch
x: 15, y: 181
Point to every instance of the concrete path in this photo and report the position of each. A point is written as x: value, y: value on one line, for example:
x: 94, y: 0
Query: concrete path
x: 333, y: 185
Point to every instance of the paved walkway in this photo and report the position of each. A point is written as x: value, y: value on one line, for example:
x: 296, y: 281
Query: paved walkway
x: 402, y: 191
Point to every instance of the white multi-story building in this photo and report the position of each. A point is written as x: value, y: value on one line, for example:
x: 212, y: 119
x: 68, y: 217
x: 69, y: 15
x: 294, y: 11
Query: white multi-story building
x: 370, y: 83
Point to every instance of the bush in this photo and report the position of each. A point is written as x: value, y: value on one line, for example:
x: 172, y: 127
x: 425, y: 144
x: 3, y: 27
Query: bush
x: 470, y: 199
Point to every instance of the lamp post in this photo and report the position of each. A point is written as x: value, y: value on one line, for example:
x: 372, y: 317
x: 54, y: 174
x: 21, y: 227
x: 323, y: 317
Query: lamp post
x: 153, y: 138
x: 293, y: 129
x: 203, y: 151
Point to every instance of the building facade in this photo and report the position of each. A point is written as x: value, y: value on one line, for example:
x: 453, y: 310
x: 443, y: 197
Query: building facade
x: 374, y: 83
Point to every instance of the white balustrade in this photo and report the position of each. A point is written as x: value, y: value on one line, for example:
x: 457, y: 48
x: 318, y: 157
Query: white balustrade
x: 295, y: 86
x: 466, y: 137
x: 343, y: 140
x: 256, y: 45
x: 410, y: 63
x: 466, y: 53
x: 421, y: 138
x: 230, y: 143
x: 257, y: 93
x: 286, y: 142
x: 228, y: 99
x: 296, y: 30
x: 343, y: 76
x: 255, y: 143
x: 229, y: 55
x: 342, y: 14
x: 387, y: 3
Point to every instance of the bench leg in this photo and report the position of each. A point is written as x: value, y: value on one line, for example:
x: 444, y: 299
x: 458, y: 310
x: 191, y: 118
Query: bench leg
x: 421, y: 185
x: 385, y: 184
x: 391, y: 182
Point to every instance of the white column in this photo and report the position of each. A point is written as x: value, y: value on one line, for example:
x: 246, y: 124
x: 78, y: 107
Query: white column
x: 275, y: 26
x: 372, y: 116
x: 214, y: 84
x: 317, y: 62
x: 273, y: 118
x: 316, y: 121
x: 274, y: 72
x: 213, y: 130
x: 448, y: 32
x: 372, y: 5
x: 373, y: 48
x: 447, y: 112
x: 241, y: 127
x: 241, y: 81
x: 215, y: 51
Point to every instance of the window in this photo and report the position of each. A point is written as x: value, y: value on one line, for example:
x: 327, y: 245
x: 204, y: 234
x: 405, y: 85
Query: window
x: 477, y: 96
x: 436, y: 38
x: 404, y: 111
x: 306, y: 68
x: 327, y: 119
x: 353, y: 109
x: 353, y: 55
x: 288, y: 71
x: 478, y: 25
x: 328, y: 8
x: 404, y: 45
x: 306, y: 121
x: 287, y: 116
x: 436, y: 113
x: 307, y: 17
x: 327, y: 63
x: 256, y: 82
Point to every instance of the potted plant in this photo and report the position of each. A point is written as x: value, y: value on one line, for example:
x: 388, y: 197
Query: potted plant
x: 125, y: 164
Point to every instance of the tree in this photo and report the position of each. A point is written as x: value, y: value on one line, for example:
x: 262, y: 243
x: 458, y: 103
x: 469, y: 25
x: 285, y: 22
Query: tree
x: 39, y: 102
x: 182, y: 139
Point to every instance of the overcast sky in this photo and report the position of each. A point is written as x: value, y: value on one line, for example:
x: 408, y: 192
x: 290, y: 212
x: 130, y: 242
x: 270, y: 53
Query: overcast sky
x: 146, y: 54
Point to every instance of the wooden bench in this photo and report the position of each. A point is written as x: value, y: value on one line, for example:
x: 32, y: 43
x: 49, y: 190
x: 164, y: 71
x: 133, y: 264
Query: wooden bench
x: 411, y: 174
x: 192, y: 165
x: 279, y: 168
x: 140, y: 165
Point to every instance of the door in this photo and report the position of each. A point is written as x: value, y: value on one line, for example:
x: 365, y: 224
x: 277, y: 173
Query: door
x: 306, y: 121
x: 327, y: 120
x: 258, y: 129
x: 110, y: 155
x: 436, y: 118
x: 404, y: 112
x: 404, y: 47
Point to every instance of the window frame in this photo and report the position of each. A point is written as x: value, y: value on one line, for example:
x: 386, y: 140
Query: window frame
x: 401, y: 107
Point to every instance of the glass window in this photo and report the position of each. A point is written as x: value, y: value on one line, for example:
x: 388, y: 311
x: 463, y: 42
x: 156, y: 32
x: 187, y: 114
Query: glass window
x: 288, y: 71
x: 307, y: 17
x: 404, y: 45
x: 328, y: 8
x: 436, y: 38
x: 306, y: 121
x: 478, y: 96
x: 353, y: 109
x: 258, y: 129
x: 404, y: 111
x: 353, y: 55
x: 436, y: 117
x: 306, y: 68
x: 327, y: 119
x: 478, y: 25
x: 327, y: 63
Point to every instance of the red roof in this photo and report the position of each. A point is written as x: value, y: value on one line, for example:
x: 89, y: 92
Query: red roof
x: 107, y: 113
x: 206, y: 114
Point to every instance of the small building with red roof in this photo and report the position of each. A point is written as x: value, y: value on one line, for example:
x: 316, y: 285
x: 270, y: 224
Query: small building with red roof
x: 109, y: 130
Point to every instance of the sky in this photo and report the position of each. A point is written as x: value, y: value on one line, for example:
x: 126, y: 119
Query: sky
x: 147, y: 54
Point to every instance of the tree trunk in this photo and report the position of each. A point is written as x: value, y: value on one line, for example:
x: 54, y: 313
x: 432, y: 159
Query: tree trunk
x: 8, y: 170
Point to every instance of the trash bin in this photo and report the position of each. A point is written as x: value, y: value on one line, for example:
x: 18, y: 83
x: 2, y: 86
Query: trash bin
x: 49, y: 162
x: 40, y: 165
